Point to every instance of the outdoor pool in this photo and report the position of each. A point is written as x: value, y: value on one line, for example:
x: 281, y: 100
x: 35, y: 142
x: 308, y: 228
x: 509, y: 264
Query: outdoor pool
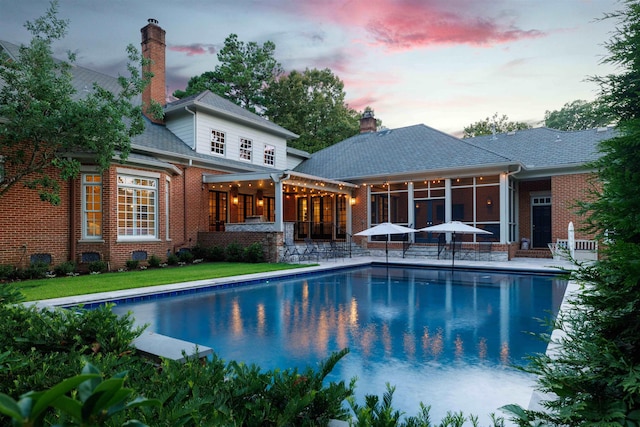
x: 447, y: 339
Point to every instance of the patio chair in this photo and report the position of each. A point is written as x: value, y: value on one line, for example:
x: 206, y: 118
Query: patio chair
x: 312, y: 250
x: 290, y: 253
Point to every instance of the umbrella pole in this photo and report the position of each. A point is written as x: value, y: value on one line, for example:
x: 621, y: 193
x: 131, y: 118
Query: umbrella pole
x: 453, y: 252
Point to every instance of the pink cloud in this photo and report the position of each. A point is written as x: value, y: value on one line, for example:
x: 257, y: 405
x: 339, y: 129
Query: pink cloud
x: 194, y: 49
x: 408, y: 24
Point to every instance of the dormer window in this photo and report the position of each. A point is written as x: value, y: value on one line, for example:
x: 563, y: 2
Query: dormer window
x: 217, y: 142
x: 246, y: 147
x: 269, y: 155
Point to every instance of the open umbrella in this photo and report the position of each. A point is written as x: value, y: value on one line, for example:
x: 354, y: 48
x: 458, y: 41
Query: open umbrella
x: 455, y: 227
x: 386, y: 228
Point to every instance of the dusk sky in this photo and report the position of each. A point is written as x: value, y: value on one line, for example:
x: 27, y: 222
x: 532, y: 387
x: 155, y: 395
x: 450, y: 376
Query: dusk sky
x: 443, y: 63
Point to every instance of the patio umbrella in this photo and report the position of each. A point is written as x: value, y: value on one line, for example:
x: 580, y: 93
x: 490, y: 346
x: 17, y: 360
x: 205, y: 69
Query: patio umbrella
x: 571, y: 241
x: 386, y: 228
x: 454, y: 227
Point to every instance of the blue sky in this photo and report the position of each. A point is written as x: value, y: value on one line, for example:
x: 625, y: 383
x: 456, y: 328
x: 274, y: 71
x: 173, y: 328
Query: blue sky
x: 444, y: 63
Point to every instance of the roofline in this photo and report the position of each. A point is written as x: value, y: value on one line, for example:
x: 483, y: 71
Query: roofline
x: 460, y: 171
x: 284, y: 175
x: 287, y: 134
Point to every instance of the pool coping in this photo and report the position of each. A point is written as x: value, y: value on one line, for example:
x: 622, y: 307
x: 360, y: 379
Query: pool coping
x: 533, y: 266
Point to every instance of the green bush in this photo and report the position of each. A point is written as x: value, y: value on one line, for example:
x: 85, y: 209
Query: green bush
x: 234, y: 252
x: 185, y: 255
x: 132, y: 264
x: 215, y: 254
x: 154, y: 261
x: 172, y: 259
x: 37, y: 270
x: 6, y: 271
x: 253, y: 253
x: 98, y: 266
x: 199, y: 251
x: 67, y: 267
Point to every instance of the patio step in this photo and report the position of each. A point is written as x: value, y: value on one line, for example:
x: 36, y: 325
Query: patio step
x: 533, y: 253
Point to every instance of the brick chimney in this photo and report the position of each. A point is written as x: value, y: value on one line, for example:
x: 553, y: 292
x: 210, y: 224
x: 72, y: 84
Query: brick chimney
x: 153, y: 48
x: 368, y: 121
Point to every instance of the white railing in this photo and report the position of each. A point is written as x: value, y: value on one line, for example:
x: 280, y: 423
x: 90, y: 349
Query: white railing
x: 585, y: 250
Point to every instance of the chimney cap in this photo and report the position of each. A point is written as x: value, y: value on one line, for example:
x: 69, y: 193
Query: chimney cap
x: 152, y: 21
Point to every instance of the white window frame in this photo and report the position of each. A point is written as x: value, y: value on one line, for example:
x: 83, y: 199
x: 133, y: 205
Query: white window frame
x: 270, y: 155
x: 88, y: 214
x: 246, y: 149
x: 218, y: 142
x: 133, y: 222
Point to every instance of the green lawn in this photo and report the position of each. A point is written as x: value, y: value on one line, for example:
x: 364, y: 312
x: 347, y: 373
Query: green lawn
x: 88, y: 284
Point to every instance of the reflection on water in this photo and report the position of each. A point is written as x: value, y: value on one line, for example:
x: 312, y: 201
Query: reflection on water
x: 446, y: 339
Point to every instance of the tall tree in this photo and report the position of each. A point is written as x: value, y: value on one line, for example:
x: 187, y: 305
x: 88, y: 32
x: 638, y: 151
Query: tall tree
x: 41, y: 122
x: 494, y: 124
x: 245, y: 70
x: 578, y: 115
x: 311, y: 103
x: 593, y: 377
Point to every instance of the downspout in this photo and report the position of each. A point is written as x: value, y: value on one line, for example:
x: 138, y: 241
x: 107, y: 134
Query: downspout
x: 72, y: 219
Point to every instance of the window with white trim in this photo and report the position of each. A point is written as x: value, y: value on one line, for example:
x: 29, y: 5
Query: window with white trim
x: 217, y: 142
x: 91, y: 206
x: 269, y: 155
x: 137, y: 207
x: 246, y: 147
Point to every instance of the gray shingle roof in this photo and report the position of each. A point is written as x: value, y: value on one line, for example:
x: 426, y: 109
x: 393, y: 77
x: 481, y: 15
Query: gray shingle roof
x: 410, y: 149
x: 541, y: 148
x: 222, y: 106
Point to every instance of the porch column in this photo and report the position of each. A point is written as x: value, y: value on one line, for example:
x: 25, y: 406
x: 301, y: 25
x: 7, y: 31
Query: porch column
x: 349, y: 212
x: 504, y: 208
x: 279, y: 222
x: 447, y: 200
x: 411, y: 210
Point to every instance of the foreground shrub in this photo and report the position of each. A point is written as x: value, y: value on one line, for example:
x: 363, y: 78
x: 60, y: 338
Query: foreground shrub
x: 215, y: 254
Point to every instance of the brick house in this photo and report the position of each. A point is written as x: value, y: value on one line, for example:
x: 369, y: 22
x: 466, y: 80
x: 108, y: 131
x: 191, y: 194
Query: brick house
x: 214, y: 173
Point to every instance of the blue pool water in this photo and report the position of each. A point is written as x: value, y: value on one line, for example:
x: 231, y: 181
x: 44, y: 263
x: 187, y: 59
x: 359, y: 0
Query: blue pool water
x: 447, y: 339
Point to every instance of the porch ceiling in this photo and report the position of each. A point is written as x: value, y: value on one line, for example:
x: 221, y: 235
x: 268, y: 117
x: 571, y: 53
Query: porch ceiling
x: 292, y: 182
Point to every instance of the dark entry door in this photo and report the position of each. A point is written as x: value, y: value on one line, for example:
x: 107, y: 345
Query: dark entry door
x: 428, y: 213
x: 541, y: 223
x: 217, y: 210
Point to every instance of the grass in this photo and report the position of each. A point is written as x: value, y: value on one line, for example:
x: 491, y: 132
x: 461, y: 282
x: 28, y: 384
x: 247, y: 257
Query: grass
x: 88, y: 284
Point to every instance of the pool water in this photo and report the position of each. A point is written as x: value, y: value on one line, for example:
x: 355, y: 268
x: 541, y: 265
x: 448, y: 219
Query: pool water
x: 447, y: 339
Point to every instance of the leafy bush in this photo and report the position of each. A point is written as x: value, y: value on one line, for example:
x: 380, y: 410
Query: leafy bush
x: 199, y: 251
x: 132, y: 264
x: 185, y: 255
x: 98, y: 266
x: 234, y: 252
x: 253, y: 253
x: 65, y: 268
x: 37, y: 270
x: 9, y: 295
x: 6, y: 272
x: 215, y: 254
x: 172, y: 259
x: 154, y: 261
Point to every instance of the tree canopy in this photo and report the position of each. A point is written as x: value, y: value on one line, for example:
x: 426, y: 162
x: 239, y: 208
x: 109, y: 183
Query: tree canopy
x: 593, y: 376
x: 244, y: 72
x: 494, y: 124
x: 311, y: 103
x: 42, y: 124
x: 578, y: 115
